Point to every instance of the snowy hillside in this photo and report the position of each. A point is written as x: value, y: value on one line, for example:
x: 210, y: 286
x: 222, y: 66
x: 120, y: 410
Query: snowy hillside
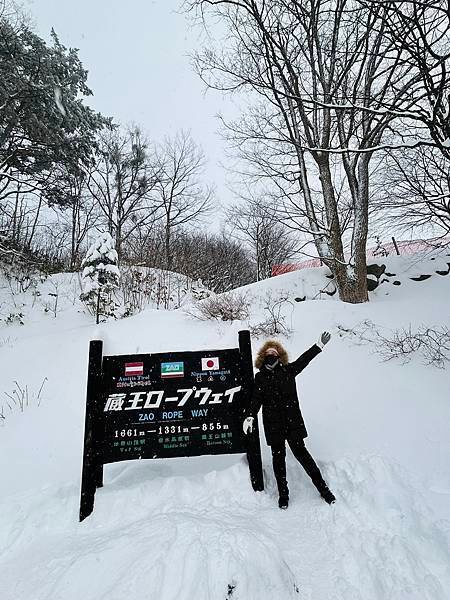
x: 54, y: 301
x: 193, y: 529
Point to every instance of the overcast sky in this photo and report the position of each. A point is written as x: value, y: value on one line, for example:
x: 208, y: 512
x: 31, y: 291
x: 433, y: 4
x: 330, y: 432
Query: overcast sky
x: 136, y: 52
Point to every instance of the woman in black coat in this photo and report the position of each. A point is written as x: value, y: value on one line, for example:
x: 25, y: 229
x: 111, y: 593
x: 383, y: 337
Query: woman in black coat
x: 276, y: 391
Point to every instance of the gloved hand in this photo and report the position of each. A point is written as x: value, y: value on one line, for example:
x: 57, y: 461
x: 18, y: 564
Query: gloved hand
x: 248, y: 425
x: 324, y: 339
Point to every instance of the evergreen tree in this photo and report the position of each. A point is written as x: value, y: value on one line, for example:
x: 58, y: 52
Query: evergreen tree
x: 44, y: 123
x: 100, y: 277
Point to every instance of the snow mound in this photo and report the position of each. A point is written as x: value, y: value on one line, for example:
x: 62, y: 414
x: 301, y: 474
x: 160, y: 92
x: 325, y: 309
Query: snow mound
x: 157, y: 533
x: 193, y: 528
x: 392, y: 545
x: 317, y: 283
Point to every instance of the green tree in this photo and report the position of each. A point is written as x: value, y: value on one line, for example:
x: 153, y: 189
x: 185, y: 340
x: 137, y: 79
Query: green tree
x: 44, y: 122
x: 100, y: 277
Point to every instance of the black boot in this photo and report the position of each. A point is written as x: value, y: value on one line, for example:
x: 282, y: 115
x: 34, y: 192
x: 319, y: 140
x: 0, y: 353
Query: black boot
x: 327, y: 495
x: 283, y: 502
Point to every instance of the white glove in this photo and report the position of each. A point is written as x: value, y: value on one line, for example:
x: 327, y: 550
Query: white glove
x: 324, y: 339
x: 248, y: 425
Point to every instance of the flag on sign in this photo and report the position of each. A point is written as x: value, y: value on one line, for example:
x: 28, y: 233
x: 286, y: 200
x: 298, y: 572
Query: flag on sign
x: 135, y: 368
x: 210, y: 364
x: 172, y: 369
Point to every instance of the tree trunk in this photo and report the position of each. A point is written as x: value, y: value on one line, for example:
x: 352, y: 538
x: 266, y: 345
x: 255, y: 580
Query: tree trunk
x: 29, y: 240
x: 350, y: 279
x: 74, y: 236
x: 360, y: 228
x: 119, y: 242
x: 167, y: 248
x: 98, y: 308
x: 257, y: 260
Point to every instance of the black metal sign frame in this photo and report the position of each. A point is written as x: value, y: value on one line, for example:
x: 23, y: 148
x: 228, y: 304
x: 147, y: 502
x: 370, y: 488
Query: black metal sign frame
x: 175, y: 404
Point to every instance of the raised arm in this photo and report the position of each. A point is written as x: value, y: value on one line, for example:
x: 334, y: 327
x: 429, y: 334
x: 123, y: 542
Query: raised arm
x: 304, y: 359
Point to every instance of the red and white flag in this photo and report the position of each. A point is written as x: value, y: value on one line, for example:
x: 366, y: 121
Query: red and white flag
x: 210, y: 364
x: 135, y: 368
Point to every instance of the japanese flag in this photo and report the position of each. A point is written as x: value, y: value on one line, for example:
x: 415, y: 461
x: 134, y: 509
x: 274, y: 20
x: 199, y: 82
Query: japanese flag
x: 210, y: 364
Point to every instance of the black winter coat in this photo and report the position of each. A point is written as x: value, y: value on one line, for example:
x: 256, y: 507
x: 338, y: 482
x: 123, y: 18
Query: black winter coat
x: 276, y: 392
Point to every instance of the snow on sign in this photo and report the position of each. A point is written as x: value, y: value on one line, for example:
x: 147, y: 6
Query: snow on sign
x: 166, y: 405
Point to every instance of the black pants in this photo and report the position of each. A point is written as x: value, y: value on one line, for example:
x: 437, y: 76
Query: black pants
x: 304, y: 458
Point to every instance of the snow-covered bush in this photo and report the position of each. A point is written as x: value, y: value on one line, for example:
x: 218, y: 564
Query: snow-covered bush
x: 100, y: 277
x: 275, y: 322
x: 433, y: 343
x: 142, y: 287
x: 232, y: 306
x: 199, y: 291
x: 15, y: 317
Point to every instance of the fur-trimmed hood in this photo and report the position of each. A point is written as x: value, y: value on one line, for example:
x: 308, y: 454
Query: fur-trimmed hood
x: 283, y: 355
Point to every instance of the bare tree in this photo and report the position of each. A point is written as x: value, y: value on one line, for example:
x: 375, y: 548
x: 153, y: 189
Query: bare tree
x: 122, y: 183
x: 83, y: 217
x: 20, y: 211
x: 77, y: 211
x: 313, y: 65
x: 145, y: 246
x: 183, y: 197
x: 421, y: 32
x: 256, y: 222
x: 415, y: 191
x: 219, y: 261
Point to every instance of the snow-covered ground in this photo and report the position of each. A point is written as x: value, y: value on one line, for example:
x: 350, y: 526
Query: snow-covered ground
x: 193, y: 529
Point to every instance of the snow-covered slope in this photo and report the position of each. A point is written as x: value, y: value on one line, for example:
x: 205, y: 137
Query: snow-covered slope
x: 43, y: 304
x: 190, y: 529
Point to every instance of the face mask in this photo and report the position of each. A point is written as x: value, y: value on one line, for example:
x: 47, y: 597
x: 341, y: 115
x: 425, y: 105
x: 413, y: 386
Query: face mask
x: 271, y: 361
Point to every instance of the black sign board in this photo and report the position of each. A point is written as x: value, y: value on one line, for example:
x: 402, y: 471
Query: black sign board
x: 166, y: 405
